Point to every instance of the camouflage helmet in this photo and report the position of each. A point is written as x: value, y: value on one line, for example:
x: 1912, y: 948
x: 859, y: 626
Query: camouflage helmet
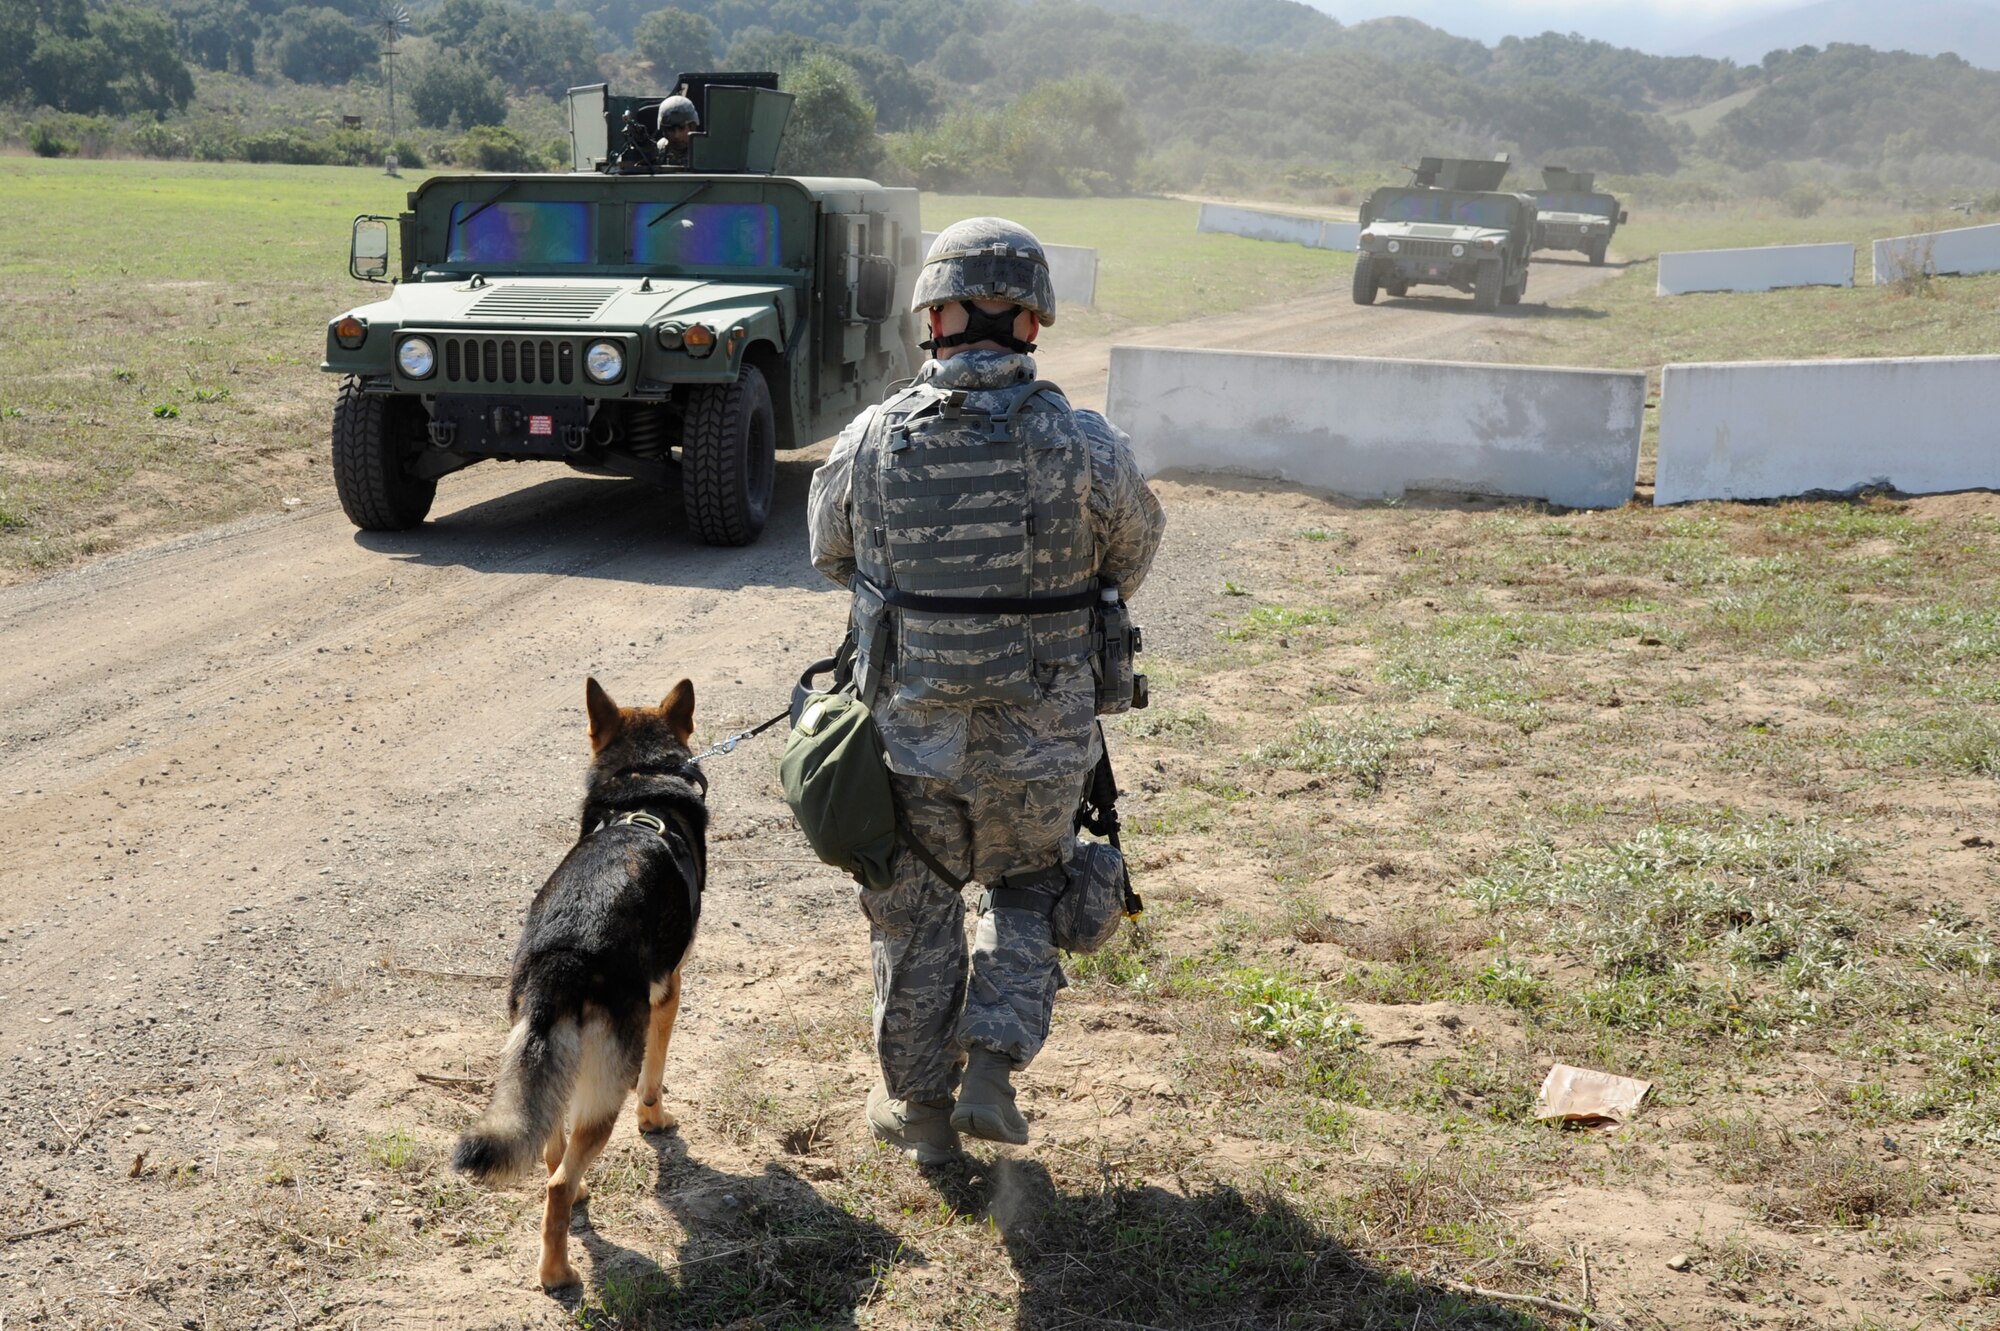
x: 678, y: 111
x: 987, y: 258
x: 1087, y: 914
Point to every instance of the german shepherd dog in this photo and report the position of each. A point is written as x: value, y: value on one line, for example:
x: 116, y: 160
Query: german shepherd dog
x: 596, y: 982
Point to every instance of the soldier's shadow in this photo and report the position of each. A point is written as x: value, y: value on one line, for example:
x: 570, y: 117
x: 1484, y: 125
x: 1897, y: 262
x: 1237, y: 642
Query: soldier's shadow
x: 1126, y: 1256
x: 758, y: 1244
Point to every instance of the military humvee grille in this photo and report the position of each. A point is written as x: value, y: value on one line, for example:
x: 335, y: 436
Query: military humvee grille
x: 532, y: 302
x: 508, y: 360
x: 1428, y: 249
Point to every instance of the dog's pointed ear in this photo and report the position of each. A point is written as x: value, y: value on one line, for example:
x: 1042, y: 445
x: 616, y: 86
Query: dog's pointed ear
x: 678, y: 708
x: 605, y: 722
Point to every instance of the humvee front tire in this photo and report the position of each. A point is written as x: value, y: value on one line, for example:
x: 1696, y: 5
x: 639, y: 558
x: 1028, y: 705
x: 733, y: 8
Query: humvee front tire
x: 1486, y: 288
x: 729, y: 459
x: 1597, y: 248
x: 372, y: 444
x: 1511, y: 295
x: 1364, y: 281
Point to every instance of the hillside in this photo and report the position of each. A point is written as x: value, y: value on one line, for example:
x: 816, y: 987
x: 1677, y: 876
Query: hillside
x: 1025, y: 96
x: 1967, y: 28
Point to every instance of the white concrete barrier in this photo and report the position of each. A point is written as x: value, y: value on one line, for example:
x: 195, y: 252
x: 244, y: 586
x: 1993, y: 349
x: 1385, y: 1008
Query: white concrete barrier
x: 1772, y: 430
x: 1766, y: 268
x: 1377, y: 429
x: 1964, y: 250
x: 1343, y: 236
x: 1226, y: 220
x: 1073, y: 268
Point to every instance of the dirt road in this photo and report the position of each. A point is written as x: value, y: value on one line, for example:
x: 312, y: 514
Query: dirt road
x: 277, y: 795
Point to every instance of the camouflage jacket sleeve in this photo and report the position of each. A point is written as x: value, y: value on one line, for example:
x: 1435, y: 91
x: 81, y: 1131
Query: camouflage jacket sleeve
x: 829, y: 510
x: 1123, y: 508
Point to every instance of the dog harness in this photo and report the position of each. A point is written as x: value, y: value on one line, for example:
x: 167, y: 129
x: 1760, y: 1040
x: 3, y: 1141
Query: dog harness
x: 679, y: 838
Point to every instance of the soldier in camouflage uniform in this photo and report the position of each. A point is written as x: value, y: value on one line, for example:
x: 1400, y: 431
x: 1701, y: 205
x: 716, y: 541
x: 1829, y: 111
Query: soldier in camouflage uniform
x: 978, y: 519
x: 678, y: 120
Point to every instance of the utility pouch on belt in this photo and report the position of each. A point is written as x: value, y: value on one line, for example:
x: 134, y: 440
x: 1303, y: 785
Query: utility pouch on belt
x: 1084, y: 899
x: 1118, y: 641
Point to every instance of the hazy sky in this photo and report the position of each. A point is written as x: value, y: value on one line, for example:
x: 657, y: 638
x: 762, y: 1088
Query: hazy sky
x: 1657, y: 25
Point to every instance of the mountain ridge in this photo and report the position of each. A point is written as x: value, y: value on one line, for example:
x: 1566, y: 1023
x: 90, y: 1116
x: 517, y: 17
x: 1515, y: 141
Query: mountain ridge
x: 1969, y: 29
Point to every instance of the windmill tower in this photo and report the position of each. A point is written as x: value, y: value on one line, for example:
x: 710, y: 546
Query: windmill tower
x: 391, y: 21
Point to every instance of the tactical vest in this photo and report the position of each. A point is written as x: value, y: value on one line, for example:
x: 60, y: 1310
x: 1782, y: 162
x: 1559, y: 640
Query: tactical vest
x: 973, y: 549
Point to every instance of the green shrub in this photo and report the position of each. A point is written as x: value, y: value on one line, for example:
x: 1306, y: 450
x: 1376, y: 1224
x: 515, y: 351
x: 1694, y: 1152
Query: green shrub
x: 156, y: 140
x: 492, y: 148
x: 1804, y: 200
x: 291, y: 147
x: 44, y: 142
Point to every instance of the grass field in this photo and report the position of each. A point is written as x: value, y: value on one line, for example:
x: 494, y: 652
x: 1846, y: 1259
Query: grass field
x: 166, y: 321
x: 1704, y: 795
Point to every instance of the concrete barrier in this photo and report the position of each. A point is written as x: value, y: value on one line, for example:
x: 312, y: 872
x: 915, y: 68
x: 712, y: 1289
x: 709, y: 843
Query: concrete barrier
x: 1223, y: 219
x: 1342, y: 236
x: 1763, y: 269
x: 1377, y: 429
x: 1964, y: 250
x: 1073, y: 268
x: 1768, y: 431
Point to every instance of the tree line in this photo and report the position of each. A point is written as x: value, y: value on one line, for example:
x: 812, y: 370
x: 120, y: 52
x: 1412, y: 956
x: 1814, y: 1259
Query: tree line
x: 1039, y: 95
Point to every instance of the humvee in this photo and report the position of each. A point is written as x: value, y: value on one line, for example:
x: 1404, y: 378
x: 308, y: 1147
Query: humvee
x: 1573, y: 216
x: 1451, y: 227
x: 625, y: 318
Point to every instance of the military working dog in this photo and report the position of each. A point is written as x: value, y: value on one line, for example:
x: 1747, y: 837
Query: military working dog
x: 596, y: 981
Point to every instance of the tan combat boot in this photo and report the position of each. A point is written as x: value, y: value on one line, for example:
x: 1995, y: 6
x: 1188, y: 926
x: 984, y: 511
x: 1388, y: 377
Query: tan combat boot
x: 986, y: 1100
x: 920, y: 1129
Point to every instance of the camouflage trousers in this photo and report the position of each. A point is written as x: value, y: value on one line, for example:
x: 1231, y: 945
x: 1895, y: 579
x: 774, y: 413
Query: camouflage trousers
x: 933, y: 997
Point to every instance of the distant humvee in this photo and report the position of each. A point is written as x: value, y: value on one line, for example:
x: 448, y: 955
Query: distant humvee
x: 1452, y: 227
x: 625, y: 317
x: 1573, y: 215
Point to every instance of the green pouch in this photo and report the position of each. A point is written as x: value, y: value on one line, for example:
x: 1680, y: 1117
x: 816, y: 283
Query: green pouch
x: 836, y: 778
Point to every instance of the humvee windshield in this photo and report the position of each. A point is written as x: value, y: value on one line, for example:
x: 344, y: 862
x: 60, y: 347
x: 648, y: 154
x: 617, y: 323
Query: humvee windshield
x: 704, y: 235
x: 1443, y: 207
x: 517, y: 233
x: 1601, y: 205
x: 694, y: 235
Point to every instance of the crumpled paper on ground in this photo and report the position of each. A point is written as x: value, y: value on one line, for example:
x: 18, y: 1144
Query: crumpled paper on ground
x: 1589, y: 1099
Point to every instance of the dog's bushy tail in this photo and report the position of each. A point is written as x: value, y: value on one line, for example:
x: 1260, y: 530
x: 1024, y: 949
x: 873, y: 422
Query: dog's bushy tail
x: 537, y: 1072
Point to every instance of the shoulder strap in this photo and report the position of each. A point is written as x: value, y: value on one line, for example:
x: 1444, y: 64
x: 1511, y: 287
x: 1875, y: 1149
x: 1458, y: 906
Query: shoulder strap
x: 930, y: 861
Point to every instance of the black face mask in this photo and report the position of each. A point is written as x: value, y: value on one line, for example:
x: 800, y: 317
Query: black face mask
x: 983, y: 326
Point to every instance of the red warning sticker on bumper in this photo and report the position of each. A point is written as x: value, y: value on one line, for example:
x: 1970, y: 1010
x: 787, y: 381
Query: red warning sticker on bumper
x: 541, y: 425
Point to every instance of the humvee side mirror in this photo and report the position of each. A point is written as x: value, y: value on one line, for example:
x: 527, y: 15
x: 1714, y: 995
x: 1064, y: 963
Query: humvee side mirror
x: 875, y: 292
x: 368, y: 250
x: 1623, y: 217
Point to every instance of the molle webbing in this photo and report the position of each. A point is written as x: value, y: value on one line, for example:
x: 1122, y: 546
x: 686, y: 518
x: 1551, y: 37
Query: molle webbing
x: 972, y: 539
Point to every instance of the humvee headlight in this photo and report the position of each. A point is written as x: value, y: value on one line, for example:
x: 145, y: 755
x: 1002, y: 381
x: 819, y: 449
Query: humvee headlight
x: 700, y: 339
x: 416, y: 357
x: 350, y: 332
x: 1458, y: 251
x: 604, y: 362
x: 671, y: 335
x: 1395, y: 247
